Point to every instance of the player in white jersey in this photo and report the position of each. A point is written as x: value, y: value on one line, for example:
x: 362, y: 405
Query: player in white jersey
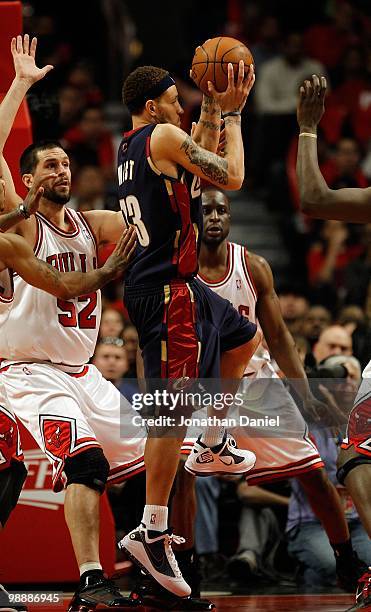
x: 246, y: 280
x: 351, y: 206
x: 17, y: 256
x: 70, y: 409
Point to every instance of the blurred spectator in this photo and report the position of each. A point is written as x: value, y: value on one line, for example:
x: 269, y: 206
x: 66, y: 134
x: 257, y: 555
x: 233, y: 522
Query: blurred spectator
x: 207, y: 526
x: 276, y: 94
x: 350, y: 317
x: 112, y: 323
x: 71, y: 103
x: 327, y: 42
x: 354, y: 320
x: 260, y: 532
x: 315, y: 321
x: 357, y: 281
x: 307, y: 540
x: 130, y: 337
x: 302, y: 346
x: 334, y: 340
x: 82, y: 77
x: 110, y: 359
x: 279, y: 80
x: 327, y: 260
x: 267, y: 45
x: 91, y: 143
x: 294, y: 306
x: 343, y: 169
x: 89, y: 189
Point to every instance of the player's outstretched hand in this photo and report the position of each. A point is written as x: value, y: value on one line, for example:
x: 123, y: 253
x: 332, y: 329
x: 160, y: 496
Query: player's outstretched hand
x: 119, y: 260
x: 23, y: 53
x: 234, y: 97
x: 311, y: 105
x: 36, y: 192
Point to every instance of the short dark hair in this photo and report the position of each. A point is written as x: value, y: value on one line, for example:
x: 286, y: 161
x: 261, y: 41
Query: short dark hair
x: 29, y: 159
x: 138, y: 83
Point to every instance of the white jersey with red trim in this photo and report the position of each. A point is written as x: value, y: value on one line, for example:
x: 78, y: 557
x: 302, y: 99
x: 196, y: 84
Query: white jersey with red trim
x: 238, y: 287
x: 41, y: 327
x: 367, y: 371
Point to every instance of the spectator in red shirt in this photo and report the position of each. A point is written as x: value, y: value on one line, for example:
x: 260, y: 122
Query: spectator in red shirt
x: 329, y: 256
x: 343, y: 169
x: 328, y: 42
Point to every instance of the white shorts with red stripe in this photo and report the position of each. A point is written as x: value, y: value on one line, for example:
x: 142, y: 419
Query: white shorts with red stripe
x: 284, y: 453
x: 69, y: 411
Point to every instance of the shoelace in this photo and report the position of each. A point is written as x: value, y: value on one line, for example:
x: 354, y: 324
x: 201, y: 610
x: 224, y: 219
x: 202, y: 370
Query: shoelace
x: 169, y: 539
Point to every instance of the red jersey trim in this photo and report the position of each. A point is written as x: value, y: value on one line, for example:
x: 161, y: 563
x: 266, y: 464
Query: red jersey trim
x: 39, y: 236
x: 57, y: 229
x: 84, y: 371
x: 247, y: 270
x: 230, y: 266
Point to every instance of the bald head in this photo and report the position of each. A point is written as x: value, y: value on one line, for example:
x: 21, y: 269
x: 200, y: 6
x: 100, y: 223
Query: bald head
x: 334, y: 340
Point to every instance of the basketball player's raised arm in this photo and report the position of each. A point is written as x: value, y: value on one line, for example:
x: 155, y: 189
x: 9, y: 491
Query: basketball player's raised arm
x: 16, y: 254
x: 26, y: 74
x: 317, y: 199
x: 206, y: 132
x: 170, y: 143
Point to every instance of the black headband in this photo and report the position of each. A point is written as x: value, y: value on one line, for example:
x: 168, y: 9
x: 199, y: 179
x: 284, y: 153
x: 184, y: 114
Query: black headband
x: 152, y: 93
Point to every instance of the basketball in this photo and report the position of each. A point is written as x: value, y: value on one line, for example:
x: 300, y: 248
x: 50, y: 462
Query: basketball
x: 210, y: 62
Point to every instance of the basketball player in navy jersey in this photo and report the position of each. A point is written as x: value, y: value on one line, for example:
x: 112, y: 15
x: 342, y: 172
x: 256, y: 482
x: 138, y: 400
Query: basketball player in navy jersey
x: 185, y: 330
x: 246, y: 279
x: 352, y: 206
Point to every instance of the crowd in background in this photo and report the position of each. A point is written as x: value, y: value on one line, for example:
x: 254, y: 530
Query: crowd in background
x: 326, y: 300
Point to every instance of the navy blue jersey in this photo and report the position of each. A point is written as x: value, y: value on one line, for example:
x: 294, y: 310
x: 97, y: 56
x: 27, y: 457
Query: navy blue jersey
x: 165, y: 211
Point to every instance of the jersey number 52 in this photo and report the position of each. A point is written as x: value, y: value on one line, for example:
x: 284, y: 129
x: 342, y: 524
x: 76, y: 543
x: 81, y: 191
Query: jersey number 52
x: 133, y: 216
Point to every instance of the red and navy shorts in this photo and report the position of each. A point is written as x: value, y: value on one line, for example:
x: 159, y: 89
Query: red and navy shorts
x: 183, y: 328
x: 358, y: 435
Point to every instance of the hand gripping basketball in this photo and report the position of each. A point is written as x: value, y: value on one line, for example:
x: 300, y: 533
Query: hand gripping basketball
x: 234, y: 98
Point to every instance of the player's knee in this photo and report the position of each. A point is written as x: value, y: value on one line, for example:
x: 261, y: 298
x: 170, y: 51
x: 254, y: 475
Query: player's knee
x: 348, y: 464
x: 11, y: 483
x: 89, y: 468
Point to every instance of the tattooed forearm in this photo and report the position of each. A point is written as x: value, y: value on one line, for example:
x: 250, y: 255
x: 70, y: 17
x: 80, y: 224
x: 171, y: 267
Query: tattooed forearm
x: 9, y: 219
x: 210, y: 125
x: 232, y: 121
x: 50, y: 276
x: 212, y: 166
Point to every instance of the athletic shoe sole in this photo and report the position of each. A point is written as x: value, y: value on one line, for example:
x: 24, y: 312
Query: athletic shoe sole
x: 152, y: 572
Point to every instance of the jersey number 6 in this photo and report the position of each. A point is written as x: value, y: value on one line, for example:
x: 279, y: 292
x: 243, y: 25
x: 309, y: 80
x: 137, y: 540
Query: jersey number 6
x: 133, y: 216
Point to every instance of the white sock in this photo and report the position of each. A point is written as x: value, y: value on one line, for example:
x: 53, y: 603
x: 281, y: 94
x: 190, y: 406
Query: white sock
x: 86, y: 567
x: 155, y: 517
x: 212, y: 436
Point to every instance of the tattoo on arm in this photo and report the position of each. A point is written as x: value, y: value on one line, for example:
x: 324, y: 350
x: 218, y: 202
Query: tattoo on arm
x: 49, y: 274
x: 211, y: 165
x: 209, y: 125
x: 232, y: 121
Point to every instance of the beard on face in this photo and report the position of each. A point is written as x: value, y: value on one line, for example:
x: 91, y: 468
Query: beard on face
x: 56, y: 198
